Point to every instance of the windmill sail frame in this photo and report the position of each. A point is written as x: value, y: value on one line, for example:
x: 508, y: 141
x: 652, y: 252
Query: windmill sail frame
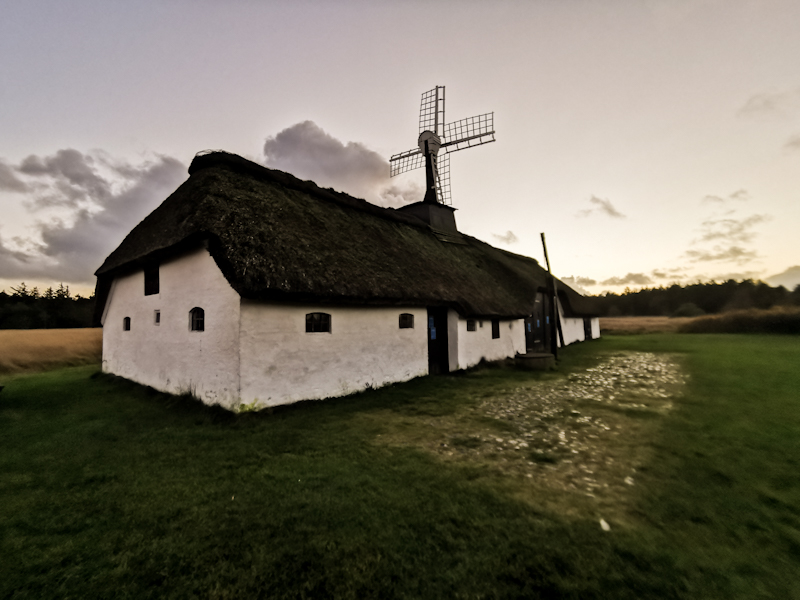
x: 449, y: 137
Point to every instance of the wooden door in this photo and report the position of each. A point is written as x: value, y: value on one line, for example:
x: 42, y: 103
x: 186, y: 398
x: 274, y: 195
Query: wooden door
x: 535, y: 327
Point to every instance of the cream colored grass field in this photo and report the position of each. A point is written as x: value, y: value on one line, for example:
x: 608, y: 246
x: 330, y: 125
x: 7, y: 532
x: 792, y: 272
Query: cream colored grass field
x: 632, y: 325
x: 38, y: 349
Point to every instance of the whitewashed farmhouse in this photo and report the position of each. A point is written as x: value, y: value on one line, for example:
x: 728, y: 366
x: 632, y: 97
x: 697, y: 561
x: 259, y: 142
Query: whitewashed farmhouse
x: 249, y: 285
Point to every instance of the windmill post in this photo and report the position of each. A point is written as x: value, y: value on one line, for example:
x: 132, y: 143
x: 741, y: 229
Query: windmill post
x: 555, y: 320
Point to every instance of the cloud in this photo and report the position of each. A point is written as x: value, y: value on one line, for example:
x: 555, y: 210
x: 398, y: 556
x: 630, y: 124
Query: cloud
x: 507, y: 238
x: 777, y: 104
x: 792, y: 144
x: 578, y: 280
x: 9, y: 180
x: 729, y: 236
x: 731, y: 230
x: 99, y: 202
x: 308, y: 152
x: 629, y: 279
x: 718, y: 253
x: 673, y: 274
x: 579, y: 283
x: 68, y: 178
x: 602, y: 207
x: 790, y: 278
x: 741, y: 195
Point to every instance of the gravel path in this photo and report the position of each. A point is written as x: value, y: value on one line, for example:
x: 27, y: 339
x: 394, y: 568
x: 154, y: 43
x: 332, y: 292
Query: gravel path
x: 583, y: 436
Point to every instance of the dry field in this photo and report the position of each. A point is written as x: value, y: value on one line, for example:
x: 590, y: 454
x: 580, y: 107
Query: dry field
x: 38, y: 349
x: 633, y: 325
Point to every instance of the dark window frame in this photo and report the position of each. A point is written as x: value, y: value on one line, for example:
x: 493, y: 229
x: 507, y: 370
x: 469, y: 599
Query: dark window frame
x: 151, y: 281
x: 471, y: 325
x: 495, y: 329
x: 197, y: 319
x: 318, y: 322
x: 126, y: 324
x: 406, y: 321
x: 157, y: 317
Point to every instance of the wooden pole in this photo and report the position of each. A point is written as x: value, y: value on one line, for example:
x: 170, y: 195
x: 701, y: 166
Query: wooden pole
x: 555, y: 325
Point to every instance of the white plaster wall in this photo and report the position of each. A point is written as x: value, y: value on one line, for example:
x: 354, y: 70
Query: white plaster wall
x: 170, y: 357
x: 473, y: 346
x: 572, y: 330
x: 281, y: 363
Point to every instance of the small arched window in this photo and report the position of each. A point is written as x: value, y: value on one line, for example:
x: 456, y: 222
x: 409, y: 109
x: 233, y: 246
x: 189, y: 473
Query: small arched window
x: 318, y: 322
x: 126, y: 324
x: 406, y: 321
x: 197, y: 318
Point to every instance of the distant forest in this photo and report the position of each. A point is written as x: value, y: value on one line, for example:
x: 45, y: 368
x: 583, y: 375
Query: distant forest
x: 697, y: 299
x: 28, y: 308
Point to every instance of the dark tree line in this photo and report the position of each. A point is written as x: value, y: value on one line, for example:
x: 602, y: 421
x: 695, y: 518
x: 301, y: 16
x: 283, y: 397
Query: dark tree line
x: 696, y: 299
x: 28, y: 308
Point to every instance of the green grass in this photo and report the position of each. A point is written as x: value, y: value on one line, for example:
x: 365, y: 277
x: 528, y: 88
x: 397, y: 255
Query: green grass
x: 108, y: 489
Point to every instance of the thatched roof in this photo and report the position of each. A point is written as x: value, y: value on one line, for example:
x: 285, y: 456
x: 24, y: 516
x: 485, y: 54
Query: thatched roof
x: 275, y: 237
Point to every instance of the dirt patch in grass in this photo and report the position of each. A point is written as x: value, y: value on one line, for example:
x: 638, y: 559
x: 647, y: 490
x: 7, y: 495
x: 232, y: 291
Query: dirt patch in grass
x: 24, y: 350
x: 636, y: 325
x: 571, y: 445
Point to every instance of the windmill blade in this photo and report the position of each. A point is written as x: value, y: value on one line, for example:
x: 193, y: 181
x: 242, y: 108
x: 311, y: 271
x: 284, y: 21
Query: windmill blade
x: 442, y: 173
x: 469, y: 132
x: 406, y: 161
x: 431, y: 110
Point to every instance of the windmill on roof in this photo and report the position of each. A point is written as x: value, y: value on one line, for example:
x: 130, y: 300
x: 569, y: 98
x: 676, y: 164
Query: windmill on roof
x: 436, y: 141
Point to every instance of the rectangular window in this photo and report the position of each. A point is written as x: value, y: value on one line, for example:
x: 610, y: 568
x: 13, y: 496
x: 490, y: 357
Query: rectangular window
x: 470, y: 324
x: 406, y: 321
x: 318, y: 323
x: 157, y: 317
x: 495, y: 329
x: 150, y: 280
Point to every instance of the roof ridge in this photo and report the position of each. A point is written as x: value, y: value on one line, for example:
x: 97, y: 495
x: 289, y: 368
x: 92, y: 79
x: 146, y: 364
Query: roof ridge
x: 208, y: 159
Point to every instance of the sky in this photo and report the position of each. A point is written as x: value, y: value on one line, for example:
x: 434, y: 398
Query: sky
x: 652, y: 141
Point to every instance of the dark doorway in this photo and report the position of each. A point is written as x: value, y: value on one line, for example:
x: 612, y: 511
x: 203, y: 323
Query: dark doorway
x: 536, y: 327
x: 438, y: 355
x: 587, y: 328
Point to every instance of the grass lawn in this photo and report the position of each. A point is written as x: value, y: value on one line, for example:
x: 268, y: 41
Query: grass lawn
x: 108, y: 489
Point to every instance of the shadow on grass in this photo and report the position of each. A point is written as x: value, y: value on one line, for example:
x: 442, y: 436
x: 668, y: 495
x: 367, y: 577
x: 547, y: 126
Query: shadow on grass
x: 111, y: 488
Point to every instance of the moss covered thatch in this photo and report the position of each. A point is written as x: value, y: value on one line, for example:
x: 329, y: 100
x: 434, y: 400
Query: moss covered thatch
x: 275, y: 237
